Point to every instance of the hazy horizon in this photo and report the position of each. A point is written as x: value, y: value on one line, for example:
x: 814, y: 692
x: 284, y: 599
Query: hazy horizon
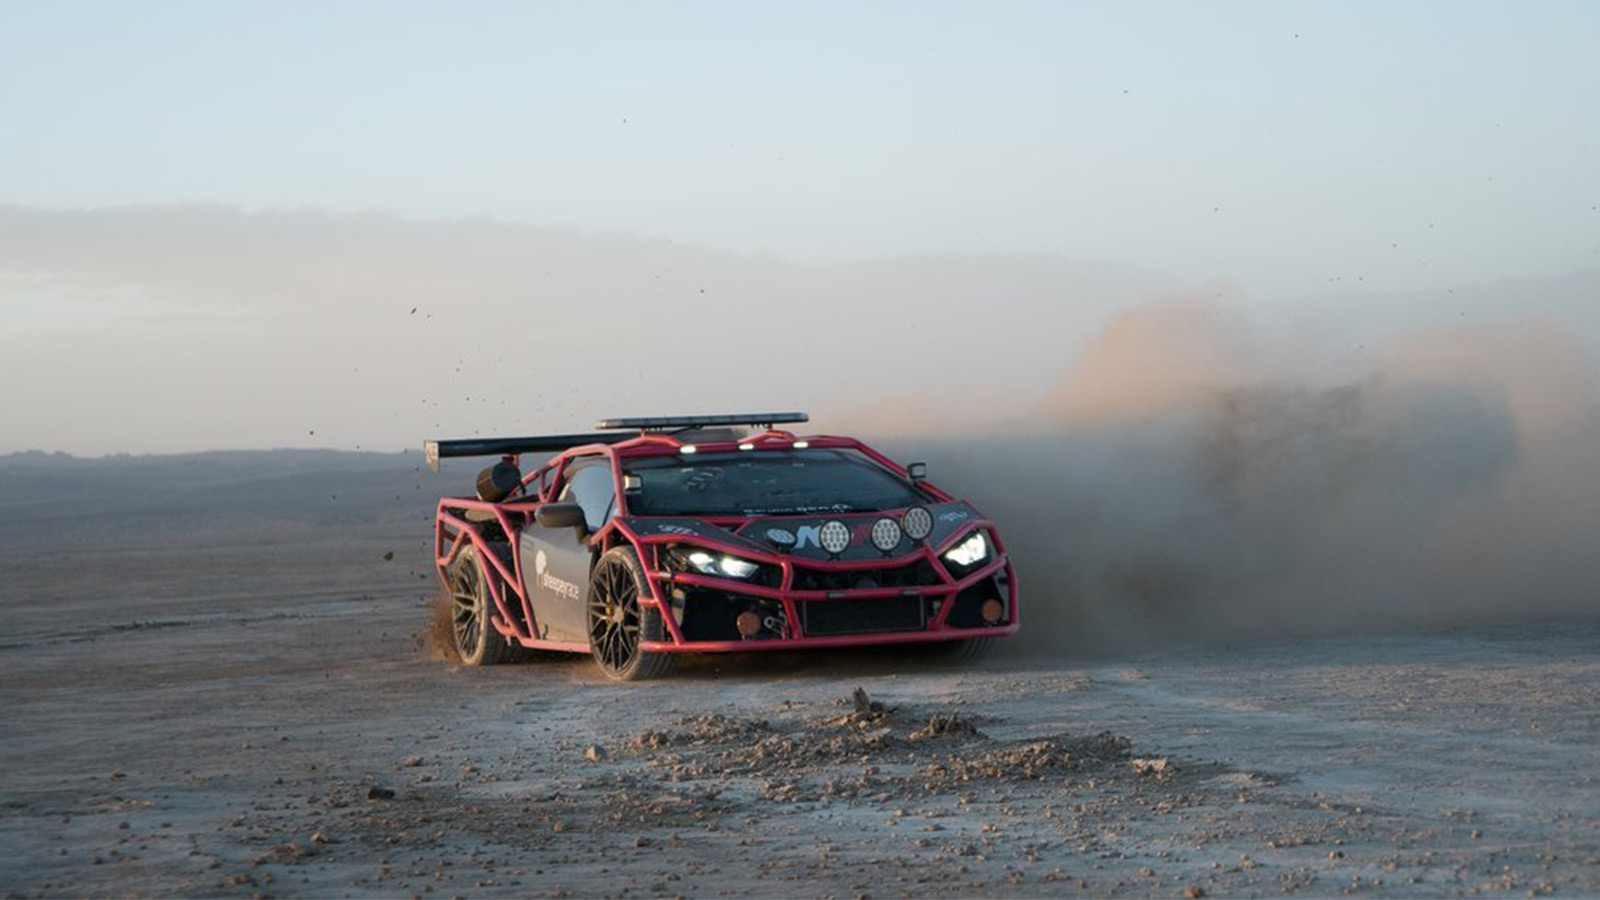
x: 216, y: 220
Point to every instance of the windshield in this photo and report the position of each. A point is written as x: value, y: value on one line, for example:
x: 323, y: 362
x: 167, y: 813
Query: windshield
x: 764, y: 483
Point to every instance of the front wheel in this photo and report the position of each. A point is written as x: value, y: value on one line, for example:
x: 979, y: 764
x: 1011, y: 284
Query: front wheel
x: 615, y: 622
x: 970, y: 649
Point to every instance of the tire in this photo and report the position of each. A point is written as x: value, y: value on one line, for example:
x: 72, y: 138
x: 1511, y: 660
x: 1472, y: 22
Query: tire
x: 475, y: 640
x: 615, y: 621
x: 964, y: 650
x: 973, y: 649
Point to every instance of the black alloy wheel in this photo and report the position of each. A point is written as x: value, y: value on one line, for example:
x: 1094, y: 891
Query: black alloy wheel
x: 615, y: 620
x: 477, y: 642
x: 467, y: 596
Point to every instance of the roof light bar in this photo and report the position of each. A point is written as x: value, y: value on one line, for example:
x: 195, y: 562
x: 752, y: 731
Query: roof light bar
x: 664, y: 423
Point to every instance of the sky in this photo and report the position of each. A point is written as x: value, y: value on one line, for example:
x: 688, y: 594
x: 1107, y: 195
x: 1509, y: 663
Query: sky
x: 258, y: 191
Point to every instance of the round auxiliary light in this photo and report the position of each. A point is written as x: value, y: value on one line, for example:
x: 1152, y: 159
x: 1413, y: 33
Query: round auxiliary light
x: 783, y: 537
x: 992, y: 610
x: 885, y: 534
x: 748, y: 623
x: 834, y: 536
x: 917, y: 522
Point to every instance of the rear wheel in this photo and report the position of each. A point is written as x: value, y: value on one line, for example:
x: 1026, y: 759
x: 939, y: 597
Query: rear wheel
x: 476, y: 641
x: 616, y: 623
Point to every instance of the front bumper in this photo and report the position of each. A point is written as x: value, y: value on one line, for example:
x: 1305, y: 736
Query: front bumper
x: 910, y: 599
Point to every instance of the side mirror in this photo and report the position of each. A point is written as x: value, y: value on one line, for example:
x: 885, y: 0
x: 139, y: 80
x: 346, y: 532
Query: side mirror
x: 560, y: 515
x: 917, y: 471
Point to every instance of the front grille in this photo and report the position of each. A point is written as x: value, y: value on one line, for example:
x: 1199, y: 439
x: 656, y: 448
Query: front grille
x: 822, y: 618
x: 918, y: 574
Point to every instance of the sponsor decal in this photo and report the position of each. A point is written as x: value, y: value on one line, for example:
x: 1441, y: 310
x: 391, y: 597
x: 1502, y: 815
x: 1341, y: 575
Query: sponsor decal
x: 676, y: 529
x: 807, y: 534
x: 558, y: 587
x: 798, y: 510
x: 551, y: 583
x: 780, y: 536
x: 954, y: 515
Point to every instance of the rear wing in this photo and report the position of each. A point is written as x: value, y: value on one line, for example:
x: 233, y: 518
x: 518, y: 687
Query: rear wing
x: 555, y: 443
x: 434, y: 451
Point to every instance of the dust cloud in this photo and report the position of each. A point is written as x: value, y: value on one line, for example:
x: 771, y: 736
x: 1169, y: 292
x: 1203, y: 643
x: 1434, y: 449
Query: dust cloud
x: 1193, y: 479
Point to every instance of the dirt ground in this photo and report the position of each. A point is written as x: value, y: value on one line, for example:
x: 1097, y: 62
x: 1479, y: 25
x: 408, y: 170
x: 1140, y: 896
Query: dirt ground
x: 248, y: 710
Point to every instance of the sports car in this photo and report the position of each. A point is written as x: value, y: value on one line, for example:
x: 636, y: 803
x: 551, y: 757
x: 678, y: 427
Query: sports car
x: 658, y: 536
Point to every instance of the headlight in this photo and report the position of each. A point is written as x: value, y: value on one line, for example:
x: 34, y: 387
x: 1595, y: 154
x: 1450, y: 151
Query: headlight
x: 970, y: 552
x: 707, y: 563
x: 734, y: 567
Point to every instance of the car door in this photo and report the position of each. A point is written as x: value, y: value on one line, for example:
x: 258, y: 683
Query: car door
x: 556, y: 561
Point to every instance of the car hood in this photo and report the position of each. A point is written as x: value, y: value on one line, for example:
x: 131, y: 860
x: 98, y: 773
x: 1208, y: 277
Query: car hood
x: 758, y: 532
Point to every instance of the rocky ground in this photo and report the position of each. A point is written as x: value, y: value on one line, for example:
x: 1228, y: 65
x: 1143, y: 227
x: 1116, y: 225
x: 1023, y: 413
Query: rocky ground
x: 232, y: 716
